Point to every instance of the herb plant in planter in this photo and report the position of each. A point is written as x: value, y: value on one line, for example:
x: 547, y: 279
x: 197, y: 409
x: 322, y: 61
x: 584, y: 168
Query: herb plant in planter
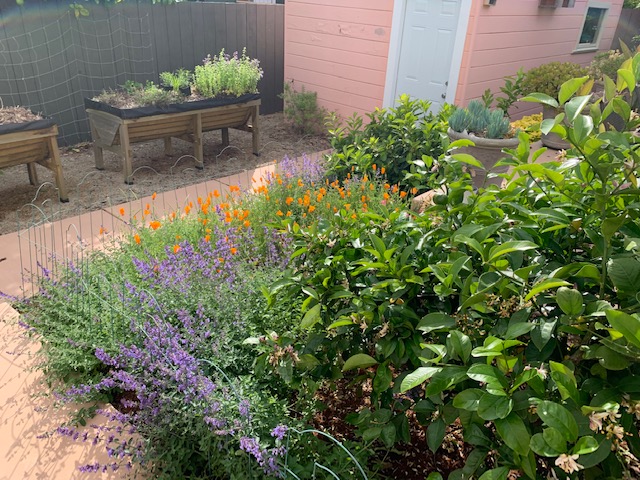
x: 547, y: 79
x: 226, y: 96
x: 489, y: 130
x: 178, y: 81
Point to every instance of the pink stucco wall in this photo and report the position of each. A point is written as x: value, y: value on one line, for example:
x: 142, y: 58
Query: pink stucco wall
x: 339, y: 49
x: 514, y: 34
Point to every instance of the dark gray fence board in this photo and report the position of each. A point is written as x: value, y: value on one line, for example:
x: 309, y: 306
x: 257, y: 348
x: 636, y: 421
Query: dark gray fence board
x: 53, y: 60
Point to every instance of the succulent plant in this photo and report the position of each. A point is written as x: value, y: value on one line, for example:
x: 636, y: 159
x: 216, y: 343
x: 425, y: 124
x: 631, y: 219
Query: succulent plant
x: 498, y: 125
x: 480, y: 120
x: 548, y: 77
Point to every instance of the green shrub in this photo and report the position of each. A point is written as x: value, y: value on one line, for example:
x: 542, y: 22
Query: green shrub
x: 515, y: 312
x: 393, y: 139
x: 548, y: 77
x: 181, y: 78
x: 301, y: 110
x: 480, y: 120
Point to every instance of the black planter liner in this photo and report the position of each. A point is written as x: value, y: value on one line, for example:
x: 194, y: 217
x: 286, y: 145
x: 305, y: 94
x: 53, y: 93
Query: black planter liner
x: 183, y: 90
x: 26, y: 126
x: 129, y: 113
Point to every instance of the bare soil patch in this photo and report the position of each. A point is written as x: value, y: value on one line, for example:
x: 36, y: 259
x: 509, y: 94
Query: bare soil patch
x: 91, y: 189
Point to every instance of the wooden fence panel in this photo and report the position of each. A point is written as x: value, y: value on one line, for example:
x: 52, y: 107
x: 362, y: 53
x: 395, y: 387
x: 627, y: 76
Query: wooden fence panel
x: 628, y: 27
x: 50, y: 60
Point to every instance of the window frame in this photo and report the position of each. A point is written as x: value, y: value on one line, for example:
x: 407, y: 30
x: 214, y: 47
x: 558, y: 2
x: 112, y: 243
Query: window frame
x: 591, y: 47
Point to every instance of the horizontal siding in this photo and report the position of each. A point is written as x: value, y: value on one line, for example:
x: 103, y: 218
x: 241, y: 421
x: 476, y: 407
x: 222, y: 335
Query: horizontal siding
x: 511, y: 35
x: 339, y: 50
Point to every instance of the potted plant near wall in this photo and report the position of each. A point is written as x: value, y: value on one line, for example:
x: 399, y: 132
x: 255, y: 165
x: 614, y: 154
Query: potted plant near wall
x: 224, y: 94
x: 490, y: 132
x: 547, y: 79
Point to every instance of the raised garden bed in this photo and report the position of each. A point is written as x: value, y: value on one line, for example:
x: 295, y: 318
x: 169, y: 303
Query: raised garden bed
x: 115, y: 129
x: 29, y: 143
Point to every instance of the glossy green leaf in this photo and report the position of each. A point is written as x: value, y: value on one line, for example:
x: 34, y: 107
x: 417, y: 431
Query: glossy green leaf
x: 445, y: 379
x: 435, y: 434
x: 569, y: 88
x: 574, y: 107
x: 565, y: 381
x: 542, y: 448
x: 585, y: 445
x: 459, y: 344
x: 468, y: 159
x: 545, y: 285
x: 508, y: 247
x: 627, y: 325
x: 359, y: 360
x: 541, y: 98
x: 418, y: 377
x: 556, y: 416
x: 629, y: 79
x: 570, y: 301
x: 514, y: 433
x: 311, y: 317
x: 582, y: 128
x: 436, y: 321
x: 468, y: 399
x: 624, y: 272
x: 487, y: 374
x: 491, y: 407
x: 500, y: 473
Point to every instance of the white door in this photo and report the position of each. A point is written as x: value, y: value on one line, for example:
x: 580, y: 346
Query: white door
x: 426, y: 49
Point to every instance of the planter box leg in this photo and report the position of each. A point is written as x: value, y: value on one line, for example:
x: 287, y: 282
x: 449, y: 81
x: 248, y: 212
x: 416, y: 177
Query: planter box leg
x: 126, y: 154
x: 198, y: 147
x: 168, y: 148
x: 33, y: 175
x: 225, y: 137
x: 255, y: 129
x: 97, y: 149
x: 56, y: 166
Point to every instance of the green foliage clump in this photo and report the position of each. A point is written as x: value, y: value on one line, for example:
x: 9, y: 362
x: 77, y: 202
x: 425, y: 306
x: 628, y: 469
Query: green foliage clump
x: 548, y: 77
x: 606, y: 63
x: 478, y: 119
x: 135, y: 94
x: 529, y: 124
x: 301, y: 110
x: 180, y: 79
x: 393, y: 139
x: 225, y: 74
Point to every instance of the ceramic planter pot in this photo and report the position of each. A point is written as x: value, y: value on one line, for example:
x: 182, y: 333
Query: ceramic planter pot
x: 487, y: 151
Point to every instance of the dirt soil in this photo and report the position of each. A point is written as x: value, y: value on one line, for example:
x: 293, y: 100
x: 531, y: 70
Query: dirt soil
x: 91, y: 189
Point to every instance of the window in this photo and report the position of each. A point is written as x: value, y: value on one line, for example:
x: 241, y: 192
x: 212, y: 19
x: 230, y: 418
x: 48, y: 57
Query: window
x: 557, y: 3
x: 592, y: 27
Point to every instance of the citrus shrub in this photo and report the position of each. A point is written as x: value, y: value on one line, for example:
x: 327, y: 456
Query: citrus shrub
x: 513, y: 313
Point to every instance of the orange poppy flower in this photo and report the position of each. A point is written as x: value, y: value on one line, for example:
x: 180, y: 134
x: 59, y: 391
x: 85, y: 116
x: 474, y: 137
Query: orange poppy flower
x: 234, y: 188
x: 383, y: 170
x: 122, y: 212
x: 247, y: 223
x: 155, y: 224
x: 289, y: 200
x: 403, y: 194
x: 279, y: 213
x: 375, y: 167
x: 153, y: 197
x: 386, y: 196
x: 207, y: 238
x: 233, y: 250
x: 136, y: 237
x: 311, y: 208
x: 176, y: 248
x: 216, y: 193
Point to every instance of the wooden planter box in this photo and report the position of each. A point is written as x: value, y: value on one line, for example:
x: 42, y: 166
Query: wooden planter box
x: 30, y: 143
x: 117, y: 129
